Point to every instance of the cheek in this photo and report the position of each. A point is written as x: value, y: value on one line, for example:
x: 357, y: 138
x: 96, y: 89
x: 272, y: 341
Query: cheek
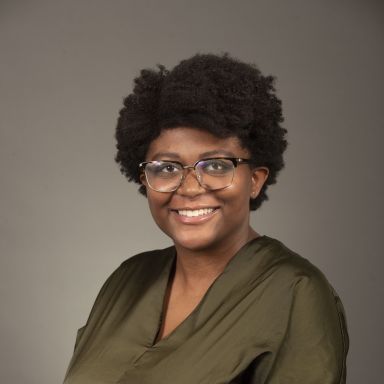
x: 239, y: 193
x: 235, y: 201
x: 157, y: 203
x: 239, y: 204
x: 242, y: 204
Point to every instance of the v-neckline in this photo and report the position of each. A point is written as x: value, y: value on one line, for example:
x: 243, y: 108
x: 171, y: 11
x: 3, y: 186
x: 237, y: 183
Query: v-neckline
x: 165, y: 282
x: 165, y: 294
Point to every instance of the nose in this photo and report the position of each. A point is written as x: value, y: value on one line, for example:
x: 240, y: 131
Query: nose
x: 190, y: 185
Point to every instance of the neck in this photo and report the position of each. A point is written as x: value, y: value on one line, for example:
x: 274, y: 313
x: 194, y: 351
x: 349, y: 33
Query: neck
x: 197, y: 269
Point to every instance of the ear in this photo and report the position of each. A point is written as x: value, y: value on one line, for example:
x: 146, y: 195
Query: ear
x: 143, y: 179
x: 259, y: 177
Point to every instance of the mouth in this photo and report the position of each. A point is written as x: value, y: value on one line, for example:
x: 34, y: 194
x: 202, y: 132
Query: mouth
x: 194, y: 216
x: 195, y: 212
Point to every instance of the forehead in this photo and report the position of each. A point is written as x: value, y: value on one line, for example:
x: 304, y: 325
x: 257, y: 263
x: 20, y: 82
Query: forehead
x: 191, y: 144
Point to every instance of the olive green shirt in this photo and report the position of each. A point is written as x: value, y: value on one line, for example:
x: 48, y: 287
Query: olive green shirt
x: 270, y: 318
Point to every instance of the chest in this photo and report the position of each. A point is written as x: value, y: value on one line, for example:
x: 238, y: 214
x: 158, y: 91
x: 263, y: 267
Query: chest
x: 177, y: 308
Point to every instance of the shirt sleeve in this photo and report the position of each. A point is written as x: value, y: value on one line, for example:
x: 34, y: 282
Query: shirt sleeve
x: 99, y: 308
x: 315, y: 344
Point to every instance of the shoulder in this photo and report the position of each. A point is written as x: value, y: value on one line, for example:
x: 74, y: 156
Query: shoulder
x: 296, y: 278
x: 311, y: 292
x: 293, y: 266
x: 312, y: 317
x: 142, y: 268
x: 154, y: 258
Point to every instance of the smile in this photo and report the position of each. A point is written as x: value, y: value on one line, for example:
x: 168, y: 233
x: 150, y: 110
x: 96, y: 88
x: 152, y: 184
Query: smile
x: 195, y: 212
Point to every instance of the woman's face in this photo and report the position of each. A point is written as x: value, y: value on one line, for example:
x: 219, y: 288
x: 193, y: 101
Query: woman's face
x: 227, y: 219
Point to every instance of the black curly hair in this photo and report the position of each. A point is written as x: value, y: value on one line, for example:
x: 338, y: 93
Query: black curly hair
x: 216, y: 93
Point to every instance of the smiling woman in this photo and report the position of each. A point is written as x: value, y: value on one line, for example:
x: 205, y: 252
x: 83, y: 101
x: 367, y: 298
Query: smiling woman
x: 223, y: 304
x: 224, y: 225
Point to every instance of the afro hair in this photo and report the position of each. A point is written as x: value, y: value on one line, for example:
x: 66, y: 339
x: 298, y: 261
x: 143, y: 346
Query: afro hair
x: 216, y: 93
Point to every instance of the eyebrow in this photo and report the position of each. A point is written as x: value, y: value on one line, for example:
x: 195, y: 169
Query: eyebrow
x: 175, y: 156
x: 219, y: 152
x: 166, y: 155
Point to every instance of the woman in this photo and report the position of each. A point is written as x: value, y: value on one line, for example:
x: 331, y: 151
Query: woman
x: 223, y: 304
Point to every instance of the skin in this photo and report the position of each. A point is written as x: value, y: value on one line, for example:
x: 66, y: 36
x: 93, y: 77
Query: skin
x: 204, y: 244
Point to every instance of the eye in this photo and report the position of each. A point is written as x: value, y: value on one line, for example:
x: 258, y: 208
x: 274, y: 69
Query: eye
x: 168, y: 168
x: 163, y: 169
x: 216, y: 166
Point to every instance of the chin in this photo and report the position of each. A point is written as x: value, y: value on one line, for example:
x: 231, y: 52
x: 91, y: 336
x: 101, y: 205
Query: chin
x: 195, y: 243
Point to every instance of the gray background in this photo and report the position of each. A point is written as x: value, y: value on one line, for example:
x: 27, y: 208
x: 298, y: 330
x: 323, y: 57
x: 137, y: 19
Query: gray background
x: 68, y: 218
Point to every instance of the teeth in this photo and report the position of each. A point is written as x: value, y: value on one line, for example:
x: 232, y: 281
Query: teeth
x: 196, y: 212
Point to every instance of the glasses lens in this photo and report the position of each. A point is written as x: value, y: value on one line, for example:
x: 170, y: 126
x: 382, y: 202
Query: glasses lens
x: 163, y: 176
x: 215, y: 173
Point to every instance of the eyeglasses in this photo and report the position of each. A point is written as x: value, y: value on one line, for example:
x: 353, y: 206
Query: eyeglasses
x: 212, y: 174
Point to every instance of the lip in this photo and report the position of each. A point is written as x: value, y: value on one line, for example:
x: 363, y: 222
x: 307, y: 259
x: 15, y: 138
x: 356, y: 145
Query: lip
x: 193, y: 219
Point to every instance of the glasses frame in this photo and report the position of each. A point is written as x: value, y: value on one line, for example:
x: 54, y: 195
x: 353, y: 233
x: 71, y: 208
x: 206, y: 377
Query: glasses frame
x: 235, y: 161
